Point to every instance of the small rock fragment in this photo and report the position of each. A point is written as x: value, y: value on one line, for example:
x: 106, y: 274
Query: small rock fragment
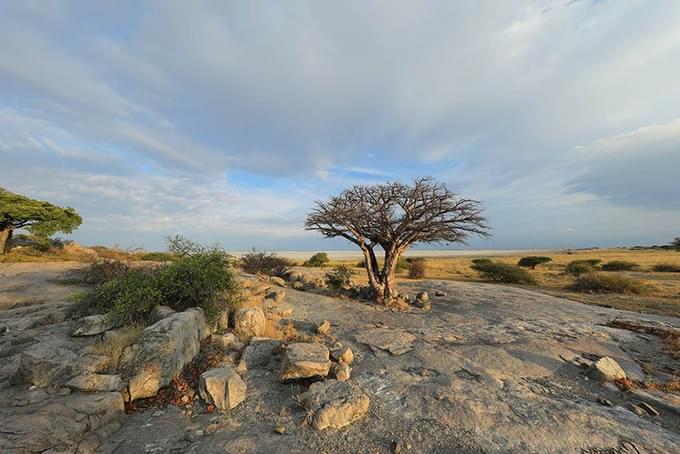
x: 280, y: 429
x: 439, y: 293
x: 303, y: 360
x: 423, y: 297
x: 324, y: 328
x: 606, y: 369
x: 227, y: 341
x: 96, y: 382
x: 341, y: 371
x: 343, y: 354
x: 335, y: 404
x: 605, y: 402
x: 648, y: 408
x: 92, y: 325
x: 222, y: 387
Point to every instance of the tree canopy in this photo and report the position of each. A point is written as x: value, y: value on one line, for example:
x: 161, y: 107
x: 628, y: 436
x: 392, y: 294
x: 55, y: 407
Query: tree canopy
x: 394, y: 216
x: 38, y: 217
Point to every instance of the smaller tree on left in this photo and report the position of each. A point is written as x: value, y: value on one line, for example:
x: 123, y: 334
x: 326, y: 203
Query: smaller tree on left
x: 40, y: 218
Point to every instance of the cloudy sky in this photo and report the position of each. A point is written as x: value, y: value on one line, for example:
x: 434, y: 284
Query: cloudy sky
x: 224, y: 121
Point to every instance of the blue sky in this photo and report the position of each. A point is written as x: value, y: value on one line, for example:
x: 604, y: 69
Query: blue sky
x: 224, y: 121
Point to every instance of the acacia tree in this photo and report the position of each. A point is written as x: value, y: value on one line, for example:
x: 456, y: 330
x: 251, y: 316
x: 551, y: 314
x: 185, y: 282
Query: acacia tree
x: 395, y: 216
x: 38, y: 217
x: 676, y: 244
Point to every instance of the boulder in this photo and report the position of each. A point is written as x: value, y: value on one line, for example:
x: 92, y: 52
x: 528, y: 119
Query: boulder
x: 92, y: 325
x: 303, y: 360
x: 258, y: 353
x: 606, y: 369
x: 341, y: 371
x: 395, y: 341
x: 423, y: 297
x: 335, y: 404
x: 276, y: 311
x: 250, y: 321
x: 222, y: 387
x: 343, y: 354
x: 277, y: 281
x: 227, y: 341
x: 96, y: 382
x: 162, y: 350
x: 324, y: 328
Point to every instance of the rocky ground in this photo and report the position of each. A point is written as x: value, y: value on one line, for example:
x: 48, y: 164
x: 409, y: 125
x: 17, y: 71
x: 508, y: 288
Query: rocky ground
x: 488, y: 369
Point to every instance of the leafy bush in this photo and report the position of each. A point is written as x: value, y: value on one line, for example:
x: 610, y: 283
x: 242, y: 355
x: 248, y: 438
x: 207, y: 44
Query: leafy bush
x: 340, y: 277
x: 503, y: 272
x: 608, y: 283
x: 578, y: 267
x: 666, y: 268
x: 101, y: 271
x: 532, y: 261
x: 478, y: 261
x: 128, y: 299
x: 267, y: 263
x: 619, y: 265
x: 159, y: 257
x: 317, y: 260
x: 417, y: 268
x: 182, y: 247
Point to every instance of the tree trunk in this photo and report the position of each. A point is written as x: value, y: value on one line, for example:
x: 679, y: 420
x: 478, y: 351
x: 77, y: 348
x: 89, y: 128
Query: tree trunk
x: 5, y: 236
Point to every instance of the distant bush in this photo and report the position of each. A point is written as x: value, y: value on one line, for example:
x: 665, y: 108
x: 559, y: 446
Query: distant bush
x: 417, y: 268
x: 608, y: 283
x: 503, y: 272
x: 340, y: 277
x: 478, y: 261
x: 266, y: 263
x: 100, y: 271
x: 317, y: 260
x: 578, y: 267
x: 159, y: 257
x: 402, y: 265
x: 533, y: 261
x: 619, y: 265
x: 666, y: 268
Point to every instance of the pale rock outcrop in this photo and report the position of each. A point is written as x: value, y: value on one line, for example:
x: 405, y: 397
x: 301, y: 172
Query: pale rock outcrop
x: 222, y: 387
x: 335, y: 404
x: 303, y: 360
x: 160, y: 312
x: 606, y: 369
x: 250, y: 321
x: 227, y: 341
x: 96, y: 382
x: 163, y: 349
x: 92, y: 325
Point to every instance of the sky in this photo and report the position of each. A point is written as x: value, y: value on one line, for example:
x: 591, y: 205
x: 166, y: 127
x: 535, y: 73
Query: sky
x: 224, y: 121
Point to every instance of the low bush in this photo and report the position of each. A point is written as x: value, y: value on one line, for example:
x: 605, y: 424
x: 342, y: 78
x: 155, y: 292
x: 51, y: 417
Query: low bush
x: 666, y: 268
x: 159, y: 257
x: 579, y: 267
x: 532, y: 261
x: 478, y: 261
x: 128, y: 299
x: 619, y: 265
x: 267, y: 263
x: 503, y: 272
x: 100, y: 271
x: 340, y: 277
x: 317, y: 260
x: 417, y: 268
x: 608, y: 283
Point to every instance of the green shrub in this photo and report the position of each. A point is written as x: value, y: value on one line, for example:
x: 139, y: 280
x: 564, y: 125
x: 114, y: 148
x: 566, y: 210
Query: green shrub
x: 202, y: 280
x: 591, y: 262
x: 159, y: 257
x: 340, y: 277
x: 608, y: 283
x: 182, y: 247
x: 417, y: 268
x: 666, y: 268
x: 503, y: 272
x: 619, y: 265
x: 317, y: 260
x: 478, y: 261
x: 578, y: 267
x: 532, y: 261
x: 101, y: 271
x: 128, y: 299
x: 267, y: 263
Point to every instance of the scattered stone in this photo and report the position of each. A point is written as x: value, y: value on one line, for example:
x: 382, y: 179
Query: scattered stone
x: 440, y: 294
x: 648, y: 408
x: 227, y: 341
x: 222, y: 387
x: 276, y: 295
x: 280, y: 429
x: 343, y: 354
x: 335, y: 404
x: 92, y: 325
x: 423, y: 297
x: 276, y: 311
x: 297, y: 285
x: 605, y: 402
x: 294, y: 276
x: 96, y: 382
x: 162, y: 350
x: 606, y: 369
x: 278, y: 281
x: 160, y: 312
x: 395, y: 341
x: 341, y: 371
x: 303, y: 360
x: 396, y: 447
x: 324, y: 328
x: 250, y: 321
x: 258, y: 354
x: 637, y: 410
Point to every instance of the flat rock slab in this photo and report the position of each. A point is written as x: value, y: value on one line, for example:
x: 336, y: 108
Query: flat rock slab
x: 304, y: 360
x: 335, y: 404
x: 395, y: 341
x: 222, y: 387
x: 96, y: 382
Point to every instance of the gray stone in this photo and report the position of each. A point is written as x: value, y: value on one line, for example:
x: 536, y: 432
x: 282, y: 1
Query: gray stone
x: 276, y: 311
x: 606, y: 369
x: 92, y: 325
x: 258, y: 353
x: 222, y: 387
x: 96, y: 382
x: 303, y: 360
x: 163, y: 349
x: 250, y: 321
x: 343, y: 354
x: 278, y: 281
x: 324, y: 328
x: 227, y: 341
x: 423, y: 297
x: 335, y: 404
x: 395, y: 341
